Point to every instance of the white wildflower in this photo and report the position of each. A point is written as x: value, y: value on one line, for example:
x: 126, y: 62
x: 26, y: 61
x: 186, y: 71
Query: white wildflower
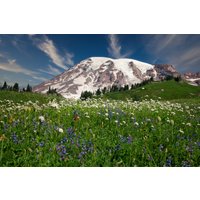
x: 136, y: 124
x: 159, y: 119
x: 181, y: 131
x: 41, y: 118
x: 54, y: 105
x: 188, y: 124
x: 60, y: 130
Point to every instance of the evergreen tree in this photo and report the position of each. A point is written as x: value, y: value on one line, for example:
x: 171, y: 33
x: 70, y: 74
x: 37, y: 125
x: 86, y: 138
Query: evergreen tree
x: 28, y: 88
x: 5, y: 86
x: 126, y: 87
x: 16, y: 87
x: 98, y: 92
x: 169, y: 77
x: 132, y: 87
x: 52, y: 91
x: 177, y: 79
x: 121, y: 88
x: 114, y: 88
x: 104, y: 90
x: 85, y: 95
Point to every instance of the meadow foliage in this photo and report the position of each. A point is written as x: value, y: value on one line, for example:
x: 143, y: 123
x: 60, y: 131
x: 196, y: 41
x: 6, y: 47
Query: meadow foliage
x: 99, y: 132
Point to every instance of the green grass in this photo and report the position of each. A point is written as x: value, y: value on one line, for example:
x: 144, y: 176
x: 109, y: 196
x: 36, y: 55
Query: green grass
x: 167, y: 90
x: 19, y: 97
x: 99, y: 132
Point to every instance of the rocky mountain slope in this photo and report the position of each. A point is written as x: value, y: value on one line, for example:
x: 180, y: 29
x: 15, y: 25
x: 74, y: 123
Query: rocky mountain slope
x: 100, y: 72
x: 192, y: 78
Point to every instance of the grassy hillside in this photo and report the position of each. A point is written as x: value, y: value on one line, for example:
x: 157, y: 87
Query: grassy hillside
x: 18, y: 97
x: 166, y: 90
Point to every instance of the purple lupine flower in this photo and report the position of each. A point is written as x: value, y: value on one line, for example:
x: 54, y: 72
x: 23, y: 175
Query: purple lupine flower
x: 117, y: 147
x: 70, y: 131
x: 41, y: 144
x: 129, y: 139
x: 15, y: 138
x: 150, y: 158
x: 189, y: 149
x: 61, y: 150
x: 169, y: 162
x: 198, y: 143
x: 81, y: 154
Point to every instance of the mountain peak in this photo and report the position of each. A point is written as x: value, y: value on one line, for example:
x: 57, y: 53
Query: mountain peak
x: 99, y: 72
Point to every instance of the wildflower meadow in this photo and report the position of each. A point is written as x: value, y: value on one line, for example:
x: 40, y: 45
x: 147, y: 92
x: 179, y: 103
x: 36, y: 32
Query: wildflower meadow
x: 99, y: 132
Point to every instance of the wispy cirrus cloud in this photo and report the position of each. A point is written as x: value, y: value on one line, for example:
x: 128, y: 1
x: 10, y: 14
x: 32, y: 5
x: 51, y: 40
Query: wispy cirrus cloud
x: 48, y: 47
x: 115, y: 48
x: 51, y: 71
x: 183, y: 51
x: 69, y: 58
x: 12, y: 66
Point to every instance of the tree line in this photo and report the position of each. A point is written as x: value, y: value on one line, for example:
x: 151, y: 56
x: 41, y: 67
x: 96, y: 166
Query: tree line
x: 15, y: 88
x: 115, y: 88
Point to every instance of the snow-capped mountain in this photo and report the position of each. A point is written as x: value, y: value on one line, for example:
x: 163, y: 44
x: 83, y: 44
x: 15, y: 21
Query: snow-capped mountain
x: 100, y: 72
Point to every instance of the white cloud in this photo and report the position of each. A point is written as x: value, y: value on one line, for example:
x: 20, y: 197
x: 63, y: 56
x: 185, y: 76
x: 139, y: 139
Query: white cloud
x: 187, y: 58
x: 48, y: 47
x: 12, y: 66
x: 68, y: 58
x: 163, y: 45
x: 51, y: 70
x: 40, y: 78
x: 176, y: 50
x: 114, y: 48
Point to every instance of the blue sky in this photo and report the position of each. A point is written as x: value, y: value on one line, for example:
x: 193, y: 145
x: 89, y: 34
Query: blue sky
x: 35, y: 58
